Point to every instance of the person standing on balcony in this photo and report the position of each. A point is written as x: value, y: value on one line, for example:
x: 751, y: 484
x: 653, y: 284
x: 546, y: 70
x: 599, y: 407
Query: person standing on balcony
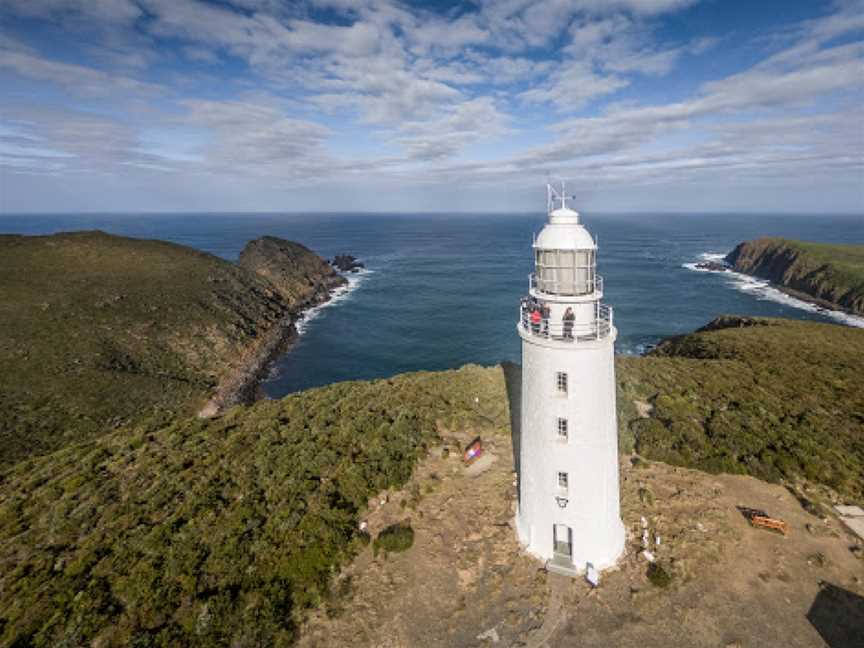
x: 545, y: 312
x: 535, y: 320
x: 568, y: 323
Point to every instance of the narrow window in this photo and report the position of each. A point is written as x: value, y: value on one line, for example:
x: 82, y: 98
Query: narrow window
x: 561, y: 382
x: 562, y: 429
x: 562, y: 481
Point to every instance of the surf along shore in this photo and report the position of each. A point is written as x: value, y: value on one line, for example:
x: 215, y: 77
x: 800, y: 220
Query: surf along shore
x: 305, y: 281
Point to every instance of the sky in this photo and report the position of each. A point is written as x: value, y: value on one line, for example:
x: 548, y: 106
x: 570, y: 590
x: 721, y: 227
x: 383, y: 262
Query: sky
x: 365, y: 105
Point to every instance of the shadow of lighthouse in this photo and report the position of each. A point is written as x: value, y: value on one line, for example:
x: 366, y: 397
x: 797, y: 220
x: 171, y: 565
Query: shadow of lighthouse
x: 513, y: 380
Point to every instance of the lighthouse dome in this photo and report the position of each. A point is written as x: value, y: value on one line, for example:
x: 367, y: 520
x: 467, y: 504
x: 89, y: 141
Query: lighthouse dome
x: 564, y: 232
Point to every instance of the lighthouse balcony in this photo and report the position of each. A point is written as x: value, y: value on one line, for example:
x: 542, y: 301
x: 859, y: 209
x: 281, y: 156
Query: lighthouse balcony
x: 565, y: 285
x: 563, y: 330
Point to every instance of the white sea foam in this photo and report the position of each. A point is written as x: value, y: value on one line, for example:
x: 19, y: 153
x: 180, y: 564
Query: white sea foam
x: 762, y: 290
x: 341, y: 294
x: 716, y: 257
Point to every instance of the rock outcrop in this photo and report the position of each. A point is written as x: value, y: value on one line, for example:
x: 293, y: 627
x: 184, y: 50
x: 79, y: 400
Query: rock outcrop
x: 347, y: 263
x: 830, y: 275
x: 299, y: 275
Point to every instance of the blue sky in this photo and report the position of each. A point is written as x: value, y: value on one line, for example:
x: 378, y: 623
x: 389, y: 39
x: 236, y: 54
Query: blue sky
x: 331, y: 105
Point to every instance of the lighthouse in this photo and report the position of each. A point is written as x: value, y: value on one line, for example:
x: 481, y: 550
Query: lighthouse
x: 568, y: 508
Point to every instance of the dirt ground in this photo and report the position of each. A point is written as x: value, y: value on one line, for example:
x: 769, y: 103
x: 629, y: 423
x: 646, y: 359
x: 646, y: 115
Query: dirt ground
x: 465, y: 581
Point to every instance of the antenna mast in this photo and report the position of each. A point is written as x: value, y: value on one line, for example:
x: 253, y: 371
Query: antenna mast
x: 552, y: 195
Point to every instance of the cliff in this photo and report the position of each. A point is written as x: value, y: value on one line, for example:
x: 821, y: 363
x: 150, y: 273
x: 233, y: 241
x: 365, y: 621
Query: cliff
x: 98, y: 331
x: 297, y: 273
x: 832, y: 275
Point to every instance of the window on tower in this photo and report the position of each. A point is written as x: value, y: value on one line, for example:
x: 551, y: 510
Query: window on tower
x: 561, y: 382
x: 562, y: 429
x: 562, y: 481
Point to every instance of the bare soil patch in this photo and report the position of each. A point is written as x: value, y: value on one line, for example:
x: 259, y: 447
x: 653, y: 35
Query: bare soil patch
x: 465, y: 581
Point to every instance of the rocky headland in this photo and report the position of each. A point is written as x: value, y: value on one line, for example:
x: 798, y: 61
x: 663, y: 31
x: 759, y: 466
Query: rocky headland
x: 100, y: 331
x: 831, y: 276
x: 303, y: 280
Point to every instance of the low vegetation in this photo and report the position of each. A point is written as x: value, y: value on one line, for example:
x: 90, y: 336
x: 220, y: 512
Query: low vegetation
x: 395, y: 538
x: 658, y: 576
x: 222, y: 531
x: 777, y: 399
x: 829, y: 273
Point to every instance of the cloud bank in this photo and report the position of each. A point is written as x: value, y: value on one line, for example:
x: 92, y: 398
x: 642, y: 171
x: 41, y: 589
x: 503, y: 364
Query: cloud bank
x: 258, y: 104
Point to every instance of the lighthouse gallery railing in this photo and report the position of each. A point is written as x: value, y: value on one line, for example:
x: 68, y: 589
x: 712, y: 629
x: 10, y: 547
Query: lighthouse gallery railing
x: 563, y: 331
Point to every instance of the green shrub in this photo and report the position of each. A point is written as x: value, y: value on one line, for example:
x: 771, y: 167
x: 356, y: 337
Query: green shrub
x: 395, y: 538
x: 658, y: 576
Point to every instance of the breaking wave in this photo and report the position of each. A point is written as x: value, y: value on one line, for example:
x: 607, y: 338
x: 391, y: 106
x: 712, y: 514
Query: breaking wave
x: 341, y: 294
x: 763, y: 290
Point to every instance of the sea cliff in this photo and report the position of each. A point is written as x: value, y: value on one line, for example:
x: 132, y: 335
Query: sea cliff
x: 830, y: 275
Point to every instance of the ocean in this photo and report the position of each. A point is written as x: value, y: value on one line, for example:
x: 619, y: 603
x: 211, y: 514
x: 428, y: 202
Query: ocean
x: 442, y: 290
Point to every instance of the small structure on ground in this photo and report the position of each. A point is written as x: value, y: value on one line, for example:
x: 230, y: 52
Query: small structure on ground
x: 568, y: 509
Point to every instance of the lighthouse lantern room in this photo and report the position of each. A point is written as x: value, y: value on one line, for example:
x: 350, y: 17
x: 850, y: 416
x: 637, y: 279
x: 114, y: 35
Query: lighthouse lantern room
x: 568, y: 509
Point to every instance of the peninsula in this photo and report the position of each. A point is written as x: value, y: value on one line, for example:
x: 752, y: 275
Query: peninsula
x: 100, y: 332
x: 828, y: 275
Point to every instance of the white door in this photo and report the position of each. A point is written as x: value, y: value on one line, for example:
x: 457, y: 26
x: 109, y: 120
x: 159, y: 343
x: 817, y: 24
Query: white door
x: 562, y: 537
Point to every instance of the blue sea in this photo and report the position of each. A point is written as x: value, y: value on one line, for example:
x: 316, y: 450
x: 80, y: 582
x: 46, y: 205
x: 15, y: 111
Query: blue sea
x: 442, y: 290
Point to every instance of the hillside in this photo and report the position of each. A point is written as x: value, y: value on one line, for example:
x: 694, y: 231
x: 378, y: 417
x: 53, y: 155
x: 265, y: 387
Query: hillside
x: 830, y: 274
x: 777, y: 399
x: 226, y: 531
x: 218, y: 531
x: 100, y: 331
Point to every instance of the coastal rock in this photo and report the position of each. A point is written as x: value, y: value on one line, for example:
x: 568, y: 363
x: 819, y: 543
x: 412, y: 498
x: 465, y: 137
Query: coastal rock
x: 347, y: 263
x: 713, y: 266
x: 296, y: 272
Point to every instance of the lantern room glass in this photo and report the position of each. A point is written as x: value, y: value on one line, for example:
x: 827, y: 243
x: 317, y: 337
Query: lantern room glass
x: 565, y: 272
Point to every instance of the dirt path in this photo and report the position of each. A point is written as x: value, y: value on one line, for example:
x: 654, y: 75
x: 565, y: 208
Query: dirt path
x: 555, y: 612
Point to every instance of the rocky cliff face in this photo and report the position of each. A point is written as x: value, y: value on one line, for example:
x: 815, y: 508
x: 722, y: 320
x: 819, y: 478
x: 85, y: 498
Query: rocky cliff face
x: 832, y: 275
x: 299, y: 275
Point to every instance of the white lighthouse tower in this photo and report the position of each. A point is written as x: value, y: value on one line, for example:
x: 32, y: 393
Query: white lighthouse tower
x: 568, y: 509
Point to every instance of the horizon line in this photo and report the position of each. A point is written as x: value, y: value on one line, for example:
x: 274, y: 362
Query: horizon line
x: 695, y: 212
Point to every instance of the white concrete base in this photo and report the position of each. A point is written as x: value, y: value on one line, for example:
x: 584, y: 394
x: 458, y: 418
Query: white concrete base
x: 604, y: 558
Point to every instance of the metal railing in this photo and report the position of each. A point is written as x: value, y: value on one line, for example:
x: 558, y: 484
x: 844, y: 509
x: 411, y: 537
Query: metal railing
x: 569, y: 331
x: 568, y: 288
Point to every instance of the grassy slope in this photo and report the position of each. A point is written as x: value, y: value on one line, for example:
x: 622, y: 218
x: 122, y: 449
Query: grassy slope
x: 834, y: 273
x: 97, y: 331
x: 215, y: 532
x: 777, y: 399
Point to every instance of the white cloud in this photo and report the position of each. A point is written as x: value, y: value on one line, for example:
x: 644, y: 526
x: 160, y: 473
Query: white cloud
x: 427, y: 89
x: 467, y: 123
x: 572, y: 85
x: 78, y: 78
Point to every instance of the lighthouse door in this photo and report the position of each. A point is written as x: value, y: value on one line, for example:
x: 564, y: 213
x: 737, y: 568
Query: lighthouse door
x: 562, y: 537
